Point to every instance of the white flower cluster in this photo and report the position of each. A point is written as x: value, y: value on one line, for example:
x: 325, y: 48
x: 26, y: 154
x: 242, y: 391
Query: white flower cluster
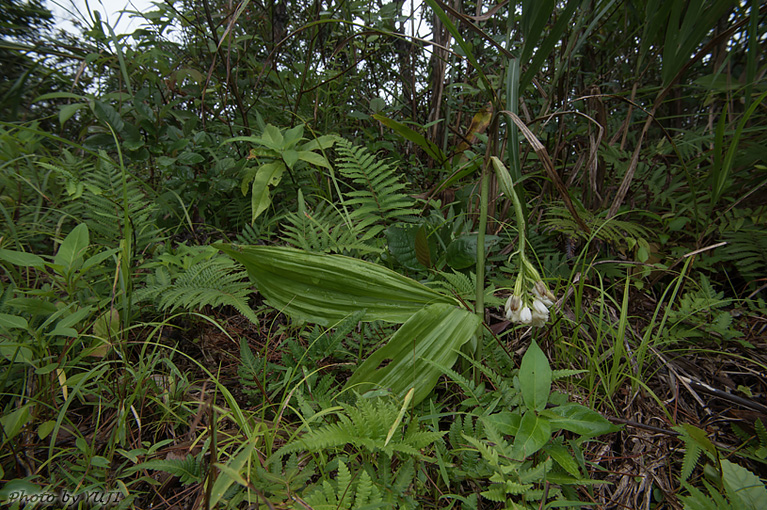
x: 538, y: 315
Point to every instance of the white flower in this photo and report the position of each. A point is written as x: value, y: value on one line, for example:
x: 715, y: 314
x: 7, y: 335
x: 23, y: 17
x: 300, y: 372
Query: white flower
x: 525, y: 316
x: 540, y: 313
x: 513, y: 307
x: 543, y: 294
x: 539, y: 308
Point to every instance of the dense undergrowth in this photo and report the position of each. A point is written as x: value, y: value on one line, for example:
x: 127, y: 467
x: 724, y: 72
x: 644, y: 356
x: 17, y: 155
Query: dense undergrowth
x: 299, y: 256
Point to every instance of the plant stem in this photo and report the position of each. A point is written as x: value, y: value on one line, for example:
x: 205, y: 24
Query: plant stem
x: 480, y: 297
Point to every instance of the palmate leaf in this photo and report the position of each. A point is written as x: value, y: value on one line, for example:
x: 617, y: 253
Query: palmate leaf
x: 325, y: 289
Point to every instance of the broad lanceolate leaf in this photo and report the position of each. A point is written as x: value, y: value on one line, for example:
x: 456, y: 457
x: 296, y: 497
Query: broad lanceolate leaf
x: 72, y: 249
x: 744, y: 488
x: 462, y: 251
x: 432, y: 150
x: 535, y: 378
x: 327, y: 288
x: 322, y: 142
x: 435, y: 333
x: 534, y: 432
x: 267, y: 175
x: 20, y: 258
x: 272, y: 138
x: 313, y: 158
x: 579, y: 419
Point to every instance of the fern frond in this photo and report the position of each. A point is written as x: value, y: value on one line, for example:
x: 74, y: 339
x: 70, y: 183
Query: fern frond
x: 761, y: 432
x: 102, y: 203
x: 459, y: 283
x: 690, y: 460
x: 365, y: 491
x: 747, y: 250
x: 496, y: 492
x: 378, y: 197
x: 214, y: 282
x: 364, y: 426
x: 324, y: 230
x: 188, y: 470
x: 345, y: 489
x: 556, y: 375
x: 536, y: 473
x: 610, y: 230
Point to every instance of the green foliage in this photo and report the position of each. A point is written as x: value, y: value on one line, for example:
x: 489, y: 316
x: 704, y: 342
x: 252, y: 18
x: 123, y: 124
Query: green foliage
x: 740, y: 488
x: 506, y: 443
x: 345, y: 491
x: 746, y: 244
x: 325, y: 230
x: 275, y: 153
x: 97, y: 194
x: 702, y: 312
x: 378, y: 199
x: 630, y: 237
x: 327, y: 288
x: 195, y: 277
x: 366, y: 426
x: 189, y: 470
x: 118, y: 150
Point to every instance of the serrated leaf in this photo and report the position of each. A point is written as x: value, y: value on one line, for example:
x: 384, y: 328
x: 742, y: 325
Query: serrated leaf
x: 690, y: 460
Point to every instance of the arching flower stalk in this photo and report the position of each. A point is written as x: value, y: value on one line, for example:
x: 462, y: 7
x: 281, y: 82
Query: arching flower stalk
x: 531, y: 299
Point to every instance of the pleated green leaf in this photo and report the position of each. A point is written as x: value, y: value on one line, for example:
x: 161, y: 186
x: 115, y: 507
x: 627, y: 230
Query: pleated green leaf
x: 434, y: 334
x: 324, y: 288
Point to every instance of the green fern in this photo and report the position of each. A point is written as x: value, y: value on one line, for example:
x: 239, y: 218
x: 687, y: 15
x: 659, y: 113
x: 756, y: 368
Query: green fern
x: 98, y: 197
x: 324, y: 230
x: 250, y: 235
x: 188, y: 470
x: 209, y: 280
x: 373, y: 201
x: 366, y: 427
x: 747, y: 250
x: 346, y: 491
x: 323, y: 342
x: 378, y: 199
x: 621, y: 233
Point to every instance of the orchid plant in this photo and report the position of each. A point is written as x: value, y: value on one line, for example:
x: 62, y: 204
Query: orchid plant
x: 531, y: 299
